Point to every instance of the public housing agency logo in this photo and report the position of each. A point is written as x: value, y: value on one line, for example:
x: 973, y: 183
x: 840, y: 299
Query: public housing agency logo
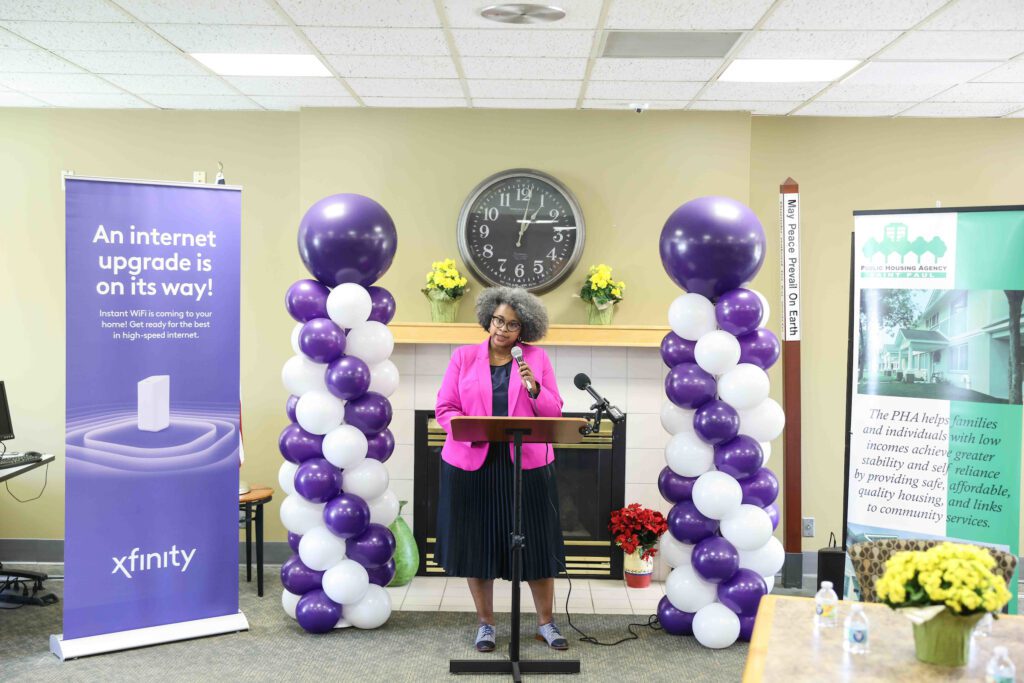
x: 912, y: 247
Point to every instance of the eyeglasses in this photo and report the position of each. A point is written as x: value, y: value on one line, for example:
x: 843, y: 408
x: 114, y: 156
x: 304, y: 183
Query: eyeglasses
x: 501, y: 323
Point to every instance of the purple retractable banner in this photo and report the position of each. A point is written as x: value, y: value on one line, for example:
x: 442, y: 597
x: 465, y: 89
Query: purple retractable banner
x: 151, y: 508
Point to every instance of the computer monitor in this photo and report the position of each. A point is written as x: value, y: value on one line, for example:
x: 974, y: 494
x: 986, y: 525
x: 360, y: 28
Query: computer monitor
x: 6, y: 430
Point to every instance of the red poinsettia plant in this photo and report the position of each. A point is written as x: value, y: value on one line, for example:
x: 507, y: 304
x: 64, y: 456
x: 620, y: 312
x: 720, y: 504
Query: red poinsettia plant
x: 636, y: 527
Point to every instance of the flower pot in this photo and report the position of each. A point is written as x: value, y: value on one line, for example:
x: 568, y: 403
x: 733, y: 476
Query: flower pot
x: 407, y: 554
x: 638, y: 572
x: 600, y: 316
x: 442, y: 309
x: 945, y: 639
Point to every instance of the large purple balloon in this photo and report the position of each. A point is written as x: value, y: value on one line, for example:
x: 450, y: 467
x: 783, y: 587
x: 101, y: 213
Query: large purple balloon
x: 293, y: 542
x: 711, y: 245
x: 373, y: 547
x: 347, y: 377
x: 688, y: 525
x: 676, y: 350
x: 289, y: 407
x: 317, y: 480
x: 383, y: 574
x: 716, y: 421
x: 370, y: 413
x: 739, y: 311
x: 317, y: 613
x: 688, y: 386
x: 380, y: 446
x: 715, y: 559
x: 761, y: 488
x: 675, y: 488
x: 298, y: 578
x: 739, y: 457
x: 742, y: 592
x: 347, y: 515
x: 347, y: 238
x: 306, y: 299
x: 747, y: 628
x: 760, y: 347
x: 322, y: 340
x: 384, y: 306
x: 773, y: 514
x: 676, y: 622
x: 297, y: 445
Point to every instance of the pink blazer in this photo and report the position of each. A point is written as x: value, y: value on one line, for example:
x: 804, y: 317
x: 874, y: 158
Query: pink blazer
x: 466, y: 390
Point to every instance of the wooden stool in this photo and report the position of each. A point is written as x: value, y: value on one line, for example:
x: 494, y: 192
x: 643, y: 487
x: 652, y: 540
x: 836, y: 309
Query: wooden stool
x: 247, y: 503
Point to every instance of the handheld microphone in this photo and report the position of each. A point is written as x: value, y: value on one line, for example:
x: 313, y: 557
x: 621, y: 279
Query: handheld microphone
x: 517, y: 353
x: 582, y: 382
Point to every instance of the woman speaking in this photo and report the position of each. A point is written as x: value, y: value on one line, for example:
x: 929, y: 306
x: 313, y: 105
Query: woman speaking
x: 474, y: 518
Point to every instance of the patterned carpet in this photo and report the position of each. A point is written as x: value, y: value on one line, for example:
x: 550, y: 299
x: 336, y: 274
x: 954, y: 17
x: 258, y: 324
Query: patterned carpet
x: 412, y: 646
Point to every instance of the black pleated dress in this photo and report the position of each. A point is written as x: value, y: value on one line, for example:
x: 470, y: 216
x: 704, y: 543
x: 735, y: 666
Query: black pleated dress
x: 474, y: 516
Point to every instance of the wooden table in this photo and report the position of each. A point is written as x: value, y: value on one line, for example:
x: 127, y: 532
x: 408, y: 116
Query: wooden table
x: 250, y: 502
x: 786, y: 646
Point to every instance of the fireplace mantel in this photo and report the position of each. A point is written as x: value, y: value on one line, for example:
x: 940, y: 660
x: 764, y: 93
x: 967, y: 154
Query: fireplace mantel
x: 641, y: 336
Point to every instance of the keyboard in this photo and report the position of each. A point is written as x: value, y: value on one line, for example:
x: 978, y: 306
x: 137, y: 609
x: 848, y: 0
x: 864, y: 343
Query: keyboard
x: 17, y: 460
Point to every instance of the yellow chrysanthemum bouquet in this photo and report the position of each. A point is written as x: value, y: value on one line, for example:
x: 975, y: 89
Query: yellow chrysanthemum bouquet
x: 445, y: 287
x: 602, y: 293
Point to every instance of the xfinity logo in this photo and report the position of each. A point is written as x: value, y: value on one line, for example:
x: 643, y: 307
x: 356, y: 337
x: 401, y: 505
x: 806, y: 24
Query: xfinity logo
x: 135, y: 562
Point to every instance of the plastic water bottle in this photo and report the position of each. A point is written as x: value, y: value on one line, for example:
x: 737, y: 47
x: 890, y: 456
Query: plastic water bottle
x: 826, y: 606
x: 1000, y: 669
x: 856, y: 631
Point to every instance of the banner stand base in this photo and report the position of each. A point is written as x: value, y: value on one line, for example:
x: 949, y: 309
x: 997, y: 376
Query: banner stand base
x: 143, y: 637
x: 793, y: 570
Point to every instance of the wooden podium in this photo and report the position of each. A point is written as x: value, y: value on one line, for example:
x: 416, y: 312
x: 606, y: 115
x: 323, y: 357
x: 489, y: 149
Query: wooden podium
x: 517, y: 430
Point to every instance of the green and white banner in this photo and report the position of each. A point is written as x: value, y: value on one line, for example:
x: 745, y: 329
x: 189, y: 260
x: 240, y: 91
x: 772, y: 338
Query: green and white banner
x: 935, y: 404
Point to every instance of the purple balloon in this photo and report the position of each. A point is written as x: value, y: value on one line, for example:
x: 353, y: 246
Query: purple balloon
x: 711, y: 245
x: 716, y: 421
x: 373, y: 547
x: 347, y: 515
x: 297, y: 445
x: 675, y: 488
x: 317, y: 480
x: 380, y: 446
x: 347, y: 377
x: 317, y: 613
x: 747, y: 628
x: 773, y: 514
x: 676, y: 622
x: 306, y: 299
x: 289, y: 407
x: 688, y: 386
x: 742, y: 592
x: 676, y: 350
x: 760, y: 347
x: 715, y: 559
x: 370, y: 413
x: 347, y: 238
x: 298, y: 578
x: 761, y: 488
x: 383, y: 574
x: 384, y: 305
x: 739, y: 457
x: 293, y: 542
x: 322, y: 340
x: 739, y: 311
x: 688, y: 525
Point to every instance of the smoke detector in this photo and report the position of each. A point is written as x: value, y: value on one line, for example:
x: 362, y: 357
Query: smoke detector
x: 522, y: 13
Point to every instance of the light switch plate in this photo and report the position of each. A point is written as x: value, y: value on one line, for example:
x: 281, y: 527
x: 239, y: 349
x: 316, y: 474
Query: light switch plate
x: 808, y: 527
x: 198, y: 176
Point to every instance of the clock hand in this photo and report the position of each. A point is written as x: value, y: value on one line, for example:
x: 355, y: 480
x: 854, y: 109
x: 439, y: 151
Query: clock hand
x: 524, y: 221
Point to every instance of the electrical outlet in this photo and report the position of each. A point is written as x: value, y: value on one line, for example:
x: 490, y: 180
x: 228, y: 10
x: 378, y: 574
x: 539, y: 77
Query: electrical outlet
x: 198, y: 176
x: 808, y: 527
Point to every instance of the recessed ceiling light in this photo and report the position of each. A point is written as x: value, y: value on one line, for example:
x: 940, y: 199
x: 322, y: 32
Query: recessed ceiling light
x: 522, y: 13
x: 232, y: 64
x: 786, y: 70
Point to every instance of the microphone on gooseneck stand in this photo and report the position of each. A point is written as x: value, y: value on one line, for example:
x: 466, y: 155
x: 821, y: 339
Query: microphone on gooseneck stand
x: 582, y: 382
x: 517, y: 353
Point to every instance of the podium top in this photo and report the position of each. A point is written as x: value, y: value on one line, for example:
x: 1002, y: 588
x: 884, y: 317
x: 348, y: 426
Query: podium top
x: 540, y: 429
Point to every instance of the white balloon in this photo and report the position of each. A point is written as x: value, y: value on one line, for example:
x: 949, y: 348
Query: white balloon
x: 765, y: 308
x: 298, y: 515
x: 716, y: 626
x: 349, y: 305
x: 675, y: 553
x: 675, y: 419
x: 286, y: 477
x: 743, y: 387
x: 717, y: 352
x: 688, y: 456
x: 687, y: 591
x: 766, y: 560
x: 289, y: 601
x: 295, y: 337
x: 370, y: 612
x: 320, y: 549
x: 346, y: 582
x: 764, y: 421
x: 770, y: 582
x: 384, y: 508
x: 766, y: 451
x: 716, y: 494
x: 319, y: 411
x: 367, y: 479
x: 371, y: 342
x: 345, y: 446
x: 691, y: 316
x: 384, y: 378
x: 748, y: 528
x: 300, y: 375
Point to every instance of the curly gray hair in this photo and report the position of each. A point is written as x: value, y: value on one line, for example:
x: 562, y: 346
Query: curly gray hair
x: 531, y: 312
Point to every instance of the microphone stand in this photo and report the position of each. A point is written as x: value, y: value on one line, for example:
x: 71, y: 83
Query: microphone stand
x: 601, y: 407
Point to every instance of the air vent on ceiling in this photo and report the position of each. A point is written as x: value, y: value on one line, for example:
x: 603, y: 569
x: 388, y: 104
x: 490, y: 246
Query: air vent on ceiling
x: 668, y: 44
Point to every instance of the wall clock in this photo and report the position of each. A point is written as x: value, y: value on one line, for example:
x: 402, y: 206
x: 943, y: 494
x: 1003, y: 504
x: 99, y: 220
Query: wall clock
x: 521, y: 228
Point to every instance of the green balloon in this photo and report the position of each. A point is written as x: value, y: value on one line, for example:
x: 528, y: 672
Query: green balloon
x: 407, y: 555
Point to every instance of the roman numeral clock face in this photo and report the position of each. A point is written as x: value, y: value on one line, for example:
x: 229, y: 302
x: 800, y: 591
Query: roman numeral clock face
x: 521, y: 229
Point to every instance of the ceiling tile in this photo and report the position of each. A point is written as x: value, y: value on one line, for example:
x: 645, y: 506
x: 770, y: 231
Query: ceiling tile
x: 488, y: 103
x: 405, y: 87
x: 509, y: 89
x: 166, y: 63
x: 376, y: 41
x: 228, y: 102
x: 378, y: 13
x: 760, y: 108
x: 524, y: 68
x: 57, y: 83
x: 761, y: 92
x: 203, y: 12
x: 16, y: 99
x: 815, y: 44
x: 295, y: 103
x: 582, y: 14
x: 627, y: 107
x: 983, y: 15
x: 244, y: 39
x: 912, y: 73
x: 819, y: 108
x: 983, y: 92
x: 33, y: 61
x: 514, y: 42
x: 606, y: 69
x: 411, y: 102
x: 383, y: 66
x: 850, y: 14
x: 1012, y: 72
x: 88, y: 36
x: 880, y: 92
x: 961, y: 109
x: 1016, y: 115
x: 957, y: 45
x: 172, y: 85
x: 297, y: 86
x: 60, y: 10
x: 694, y: 15
x: 94, y: 101
x: 638, y: 90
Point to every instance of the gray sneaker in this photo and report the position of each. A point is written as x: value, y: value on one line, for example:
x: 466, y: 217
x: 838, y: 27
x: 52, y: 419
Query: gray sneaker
x: 552, y: 636
x: 485, y: 638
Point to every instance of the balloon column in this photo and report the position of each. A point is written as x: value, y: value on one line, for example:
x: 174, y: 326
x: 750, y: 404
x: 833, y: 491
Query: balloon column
x: 338, y: 505
x: 720, y: 541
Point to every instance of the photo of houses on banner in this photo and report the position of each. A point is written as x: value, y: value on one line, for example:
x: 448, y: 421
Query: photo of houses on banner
x: 954, y: 345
